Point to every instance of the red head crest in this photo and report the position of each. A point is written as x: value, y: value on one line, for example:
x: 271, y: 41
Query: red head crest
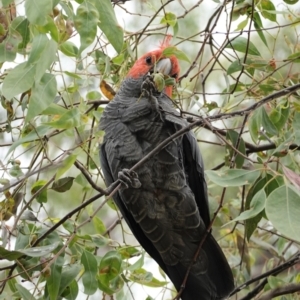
x: 146, y: 63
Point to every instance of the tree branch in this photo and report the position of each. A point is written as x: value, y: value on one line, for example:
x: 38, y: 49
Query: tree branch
x: 272, y: 272
x: 282, y: 290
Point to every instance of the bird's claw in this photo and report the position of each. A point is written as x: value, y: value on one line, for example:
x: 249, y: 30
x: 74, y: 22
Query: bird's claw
x: 148, y: 86
x: 129, y: 179
x: 149, y: 90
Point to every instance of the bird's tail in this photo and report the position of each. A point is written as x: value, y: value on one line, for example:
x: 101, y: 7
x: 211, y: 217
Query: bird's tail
x: 216, y: 283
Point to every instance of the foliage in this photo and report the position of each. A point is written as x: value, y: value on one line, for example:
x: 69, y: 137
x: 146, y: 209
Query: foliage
x: 61, y: 62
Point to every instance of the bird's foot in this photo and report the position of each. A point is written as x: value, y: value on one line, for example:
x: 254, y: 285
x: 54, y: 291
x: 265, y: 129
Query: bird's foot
x: 129, y: 179
x: 149, y: 89
x: 148, y: 86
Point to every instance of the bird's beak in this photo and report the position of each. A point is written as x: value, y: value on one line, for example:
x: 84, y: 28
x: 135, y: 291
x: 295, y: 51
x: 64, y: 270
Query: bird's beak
x: 164, y: 66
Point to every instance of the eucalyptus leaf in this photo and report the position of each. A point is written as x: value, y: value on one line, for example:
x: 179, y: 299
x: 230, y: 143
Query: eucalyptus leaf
x: 86, y: 20
x: 243, y: 45
x: 283, y: 210
x: 37, y: 11
x: 19, y: 80
x: 232, y: 177
x: 90, y: 271
x: 43, y: 94
x: 109, y: 24
x: 40, y: 251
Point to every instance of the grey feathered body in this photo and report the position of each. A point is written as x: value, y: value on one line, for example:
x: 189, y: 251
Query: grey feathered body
x: 164, y: 212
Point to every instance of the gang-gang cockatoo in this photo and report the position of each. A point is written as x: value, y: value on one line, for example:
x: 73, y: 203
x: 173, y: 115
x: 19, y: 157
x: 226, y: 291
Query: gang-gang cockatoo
x: 164, y: 202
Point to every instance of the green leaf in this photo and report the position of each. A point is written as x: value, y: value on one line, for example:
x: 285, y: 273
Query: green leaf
x: 235, y: 66
x: 39, y: 132
x: 24, y: 293
x: 68, y: 120
x: 115, y: 285
x: 296, y: 127
x: 42, y: 196
x: 108, y: 23
x: 256, y: 206
x: 295, y: 57
x: 93, y: 95
x: 66, y: 165
x: 69, y: 225
x: 42, y: 54
x: 268, y: 9
x: 233, y: 136
x: 19, y: 80
x: 73, y: 75
x: 9, y: 255
x: 100, y: 240
x: 109, y: 280
x: 5, y: 3
x: 69, y: 49
x: 291, y: 2
x: 259, y: 27
x: 38, y: 46
x: 90, y: 271
x: 69, y: 274
x: 282, y: 146
x: 232, y: 177
x: 53, y: 281
x: 251, y: 224
x: 32, y: 252
x: 111, y: 203
x: 242, y: 44
x: 170, y: 19
x: 40, y: 251
x: 138, y: 264
x: 255, y: 124
x: 43, y: 94
x: 128, y: 251
x: 21, y: 25
x: 267, y: 123
x: 37, y: 11
x: 275, y: 282
x: 72, y: 291
x: 292, y: 176
x: 12, y: 285
x: 85, y: 21
x: 143, y: 277
x: 62, y: 185
x: 99, y: 225
x: 283, y: 210
x: 172, y: 50
x: 9, y: 47
x: 54, y: 109
x: 242, y: 24
x: 279, y: 115
x: 110, y: 266
x: 51, y: 28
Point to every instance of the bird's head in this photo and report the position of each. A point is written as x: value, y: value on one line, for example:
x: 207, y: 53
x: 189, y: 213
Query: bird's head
x: 156, y: 61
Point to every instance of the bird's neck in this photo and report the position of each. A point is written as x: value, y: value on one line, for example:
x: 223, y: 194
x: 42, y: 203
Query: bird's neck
x: 131, y: 87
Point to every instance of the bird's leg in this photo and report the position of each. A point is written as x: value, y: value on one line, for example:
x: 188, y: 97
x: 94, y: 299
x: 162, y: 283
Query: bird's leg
x: 129, y: 179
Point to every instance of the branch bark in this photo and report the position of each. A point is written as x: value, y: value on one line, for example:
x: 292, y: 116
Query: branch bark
x: 282, y: 290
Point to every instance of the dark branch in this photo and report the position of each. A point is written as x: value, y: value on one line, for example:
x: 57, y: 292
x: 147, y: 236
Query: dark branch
x: 272, y: 272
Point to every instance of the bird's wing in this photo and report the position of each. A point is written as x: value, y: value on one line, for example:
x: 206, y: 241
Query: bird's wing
x: 134, y: 227
x: 195, y: 172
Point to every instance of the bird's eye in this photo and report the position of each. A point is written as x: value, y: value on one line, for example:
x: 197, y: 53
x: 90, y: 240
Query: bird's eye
x: 148, y: 60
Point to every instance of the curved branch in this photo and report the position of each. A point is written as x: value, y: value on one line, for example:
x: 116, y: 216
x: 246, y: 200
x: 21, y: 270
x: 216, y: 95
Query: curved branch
x: 282, y: 290
x: 272, y: 272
